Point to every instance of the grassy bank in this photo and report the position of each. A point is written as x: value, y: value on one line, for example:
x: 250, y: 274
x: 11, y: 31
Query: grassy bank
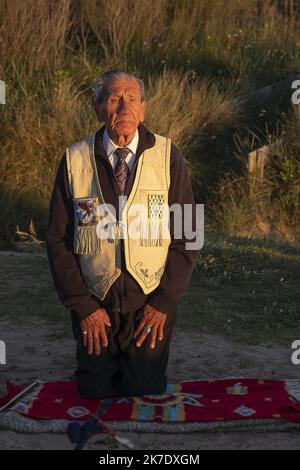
x: 194, y: 57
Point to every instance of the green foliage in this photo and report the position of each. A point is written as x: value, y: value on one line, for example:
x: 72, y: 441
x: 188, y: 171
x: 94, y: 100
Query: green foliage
x: 194, y: 57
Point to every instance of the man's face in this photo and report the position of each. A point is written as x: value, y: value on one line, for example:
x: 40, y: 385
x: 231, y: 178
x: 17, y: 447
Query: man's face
x: 123, y: 109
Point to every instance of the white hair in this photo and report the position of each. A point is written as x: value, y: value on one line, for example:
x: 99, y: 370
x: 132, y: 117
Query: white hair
x: 104, y: 79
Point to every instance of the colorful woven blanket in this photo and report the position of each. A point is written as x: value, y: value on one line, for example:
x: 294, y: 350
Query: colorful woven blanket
x: 192, y: 402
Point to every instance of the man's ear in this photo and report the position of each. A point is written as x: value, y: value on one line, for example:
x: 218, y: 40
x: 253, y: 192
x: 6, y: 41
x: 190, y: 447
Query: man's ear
x: 143, y: 111
x: 100, y: 112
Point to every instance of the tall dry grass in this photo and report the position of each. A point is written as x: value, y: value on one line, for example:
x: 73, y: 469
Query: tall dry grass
x: 32, y: 36
x: 192, y: 107
x: 116, y: 23
x: 194, y: 56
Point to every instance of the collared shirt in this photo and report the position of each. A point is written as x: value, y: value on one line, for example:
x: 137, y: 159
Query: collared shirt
x: 110, y: 148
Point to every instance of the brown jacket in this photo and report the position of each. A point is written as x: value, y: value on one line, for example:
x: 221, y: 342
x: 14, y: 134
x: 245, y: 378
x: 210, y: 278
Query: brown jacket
x: 125, y: 295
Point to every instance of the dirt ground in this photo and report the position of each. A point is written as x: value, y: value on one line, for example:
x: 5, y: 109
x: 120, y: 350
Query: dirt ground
x: 34, y: 352
x: 39, y: 342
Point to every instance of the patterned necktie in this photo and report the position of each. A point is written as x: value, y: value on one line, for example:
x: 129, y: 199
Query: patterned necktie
x: 121, y: 169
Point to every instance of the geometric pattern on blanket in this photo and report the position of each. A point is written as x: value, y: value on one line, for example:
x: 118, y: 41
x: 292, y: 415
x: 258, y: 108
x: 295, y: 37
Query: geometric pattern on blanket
x: 196, y: 401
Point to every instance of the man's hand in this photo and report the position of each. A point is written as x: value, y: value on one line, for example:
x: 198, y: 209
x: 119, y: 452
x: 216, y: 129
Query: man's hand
x: 92, y: 327
x: 153, y: 319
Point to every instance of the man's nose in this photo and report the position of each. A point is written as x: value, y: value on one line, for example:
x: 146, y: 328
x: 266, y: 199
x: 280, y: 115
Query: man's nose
x: 123, y: 106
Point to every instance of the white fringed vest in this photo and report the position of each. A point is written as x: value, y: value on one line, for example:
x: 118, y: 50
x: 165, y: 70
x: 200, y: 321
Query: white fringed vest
x: 97, y: 233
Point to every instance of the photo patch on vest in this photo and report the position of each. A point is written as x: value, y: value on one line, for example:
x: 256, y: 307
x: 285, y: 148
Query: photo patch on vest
x: 155, y: 205
x: 86, y: 210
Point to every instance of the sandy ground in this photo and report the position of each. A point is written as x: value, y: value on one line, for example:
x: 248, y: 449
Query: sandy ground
x: 34, y: 352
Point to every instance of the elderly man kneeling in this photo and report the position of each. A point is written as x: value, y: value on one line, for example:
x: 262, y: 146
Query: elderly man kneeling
x: 122, y: 291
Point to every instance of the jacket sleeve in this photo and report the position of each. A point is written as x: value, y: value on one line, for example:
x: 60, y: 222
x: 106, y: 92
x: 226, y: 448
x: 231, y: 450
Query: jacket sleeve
x: 64, y: 267
x: 180, y: 260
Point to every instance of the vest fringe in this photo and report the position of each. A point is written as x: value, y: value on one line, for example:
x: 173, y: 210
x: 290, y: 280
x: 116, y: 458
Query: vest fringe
x: 151, y: 233
x: 86, y: 240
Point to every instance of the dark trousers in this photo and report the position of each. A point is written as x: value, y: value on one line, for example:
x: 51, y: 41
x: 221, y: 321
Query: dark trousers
x: 122, y: 369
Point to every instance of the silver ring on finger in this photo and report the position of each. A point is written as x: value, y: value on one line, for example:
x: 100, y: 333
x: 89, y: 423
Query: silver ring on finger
x: 148, y: 329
